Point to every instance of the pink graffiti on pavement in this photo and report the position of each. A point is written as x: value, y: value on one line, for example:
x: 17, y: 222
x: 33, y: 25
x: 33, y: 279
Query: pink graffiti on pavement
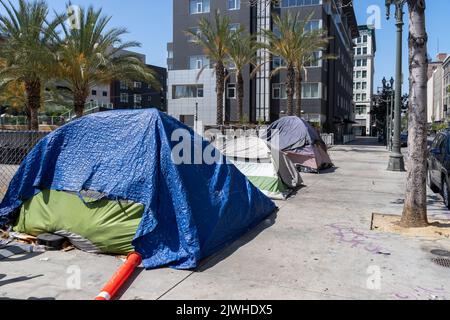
x: 423, y: 293
x: 356, y: 238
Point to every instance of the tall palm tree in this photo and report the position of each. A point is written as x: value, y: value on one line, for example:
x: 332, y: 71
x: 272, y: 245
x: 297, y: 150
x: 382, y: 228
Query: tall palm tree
x: 242, y: 53
x: 215, y: 38
x: 91, y: 54
x: 283, y: 42
x: 28, y: 50
x: 309, y: 42
x: 415, y: 208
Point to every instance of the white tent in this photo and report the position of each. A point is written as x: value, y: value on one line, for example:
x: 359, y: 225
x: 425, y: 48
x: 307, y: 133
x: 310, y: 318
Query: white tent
x: 269, y: 170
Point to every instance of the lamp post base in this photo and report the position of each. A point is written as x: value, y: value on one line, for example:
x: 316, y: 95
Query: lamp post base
x: 396, y: 162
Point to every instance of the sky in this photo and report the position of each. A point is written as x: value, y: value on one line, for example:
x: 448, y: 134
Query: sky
x: 150, y: 22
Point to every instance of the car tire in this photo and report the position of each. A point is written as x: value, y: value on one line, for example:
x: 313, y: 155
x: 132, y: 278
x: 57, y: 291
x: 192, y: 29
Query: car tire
x: 430, y: 183
x: 446, y: 192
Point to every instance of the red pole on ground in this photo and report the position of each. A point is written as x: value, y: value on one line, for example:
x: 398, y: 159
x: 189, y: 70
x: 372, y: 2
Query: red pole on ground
x: 134, y: 259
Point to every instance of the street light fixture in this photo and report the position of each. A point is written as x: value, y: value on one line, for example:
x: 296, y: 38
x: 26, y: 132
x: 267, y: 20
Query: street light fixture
x: 396, y: 160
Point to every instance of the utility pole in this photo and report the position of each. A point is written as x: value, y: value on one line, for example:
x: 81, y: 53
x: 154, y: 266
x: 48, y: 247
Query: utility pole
x: 396, y: 160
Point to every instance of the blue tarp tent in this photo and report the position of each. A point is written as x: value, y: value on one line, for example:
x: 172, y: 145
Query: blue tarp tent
x: 190, y: 210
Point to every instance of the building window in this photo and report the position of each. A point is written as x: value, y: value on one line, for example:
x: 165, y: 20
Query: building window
x: 234, y: 27
x: 358, y: 85
x: 364, y: 86
x: 198, y: 62
x: 234, y: 4
x: 279, y: 91
x: 195, y: 30
x: 188, y: 120
x: 124, y: 97
x: 137, y: 85
x: 297, y: 3
x: 187, y: 91
x: 312, y: 25
x: 364, y: 39
x: 199, y: 6
x: 137, y: 99
x: 364, y: 50
x: 123, y: 85
x: 364, y: 97
x: 364, y: 74
x: 105, y: 93
x: 94, y: 92
x: 310, y: 91
x: 315, y: 60
x: 361, y: 110
x: 231, y: 91
x: 358, y: 97
x: 278, y: 62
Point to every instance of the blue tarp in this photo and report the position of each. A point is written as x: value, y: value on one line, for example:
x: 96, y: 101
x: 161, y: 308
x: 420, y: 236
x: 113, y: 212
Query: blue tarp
x: 191, y: 210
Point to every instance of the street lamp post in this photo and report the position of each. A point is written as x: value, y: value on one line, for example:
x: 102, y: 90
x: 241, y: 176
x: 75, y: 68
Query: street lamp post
x: 396, y: 161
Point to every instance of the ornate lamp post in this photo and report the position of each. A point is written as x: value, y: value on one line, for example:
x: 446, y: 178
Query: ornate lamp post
x: 396, y: 161
x: 389, y: 88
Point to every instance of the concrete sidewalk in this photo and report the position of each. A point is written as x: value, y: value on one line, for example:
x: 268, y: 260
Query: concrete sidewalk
x: 318, y: 246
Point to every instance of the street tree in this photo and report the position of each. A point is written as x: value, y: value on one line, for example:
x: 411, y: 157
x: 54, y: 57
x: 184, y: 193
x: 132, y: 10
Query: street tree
x: 28, y: 51
x: 215, y: 38
x: 283, y: 42
x: 242, y: 54
x: 415, y: 208
x: 91, y: 54
x: 310, y: 47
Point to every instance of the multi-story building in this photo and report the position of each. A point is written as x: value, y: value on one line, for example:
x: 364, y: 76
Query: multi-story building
x: 436, y: 89
x: 327, y: 89
x: 363, y: 75
x: 139, y: 94
x: 446, y: 86
x: 130, y: 95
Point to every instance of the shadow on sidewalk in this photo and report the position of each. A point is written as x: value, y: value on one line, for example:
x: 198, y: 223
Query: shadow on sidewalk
x: 233, y: 247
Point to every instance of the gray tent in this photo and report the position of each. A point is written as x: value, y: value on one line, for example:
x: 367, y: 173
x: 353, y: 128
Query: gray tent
x: 300, y: 142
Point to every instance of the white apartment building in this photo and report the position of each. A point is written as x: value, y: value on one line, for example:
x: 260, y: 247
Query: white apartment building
x: 363, y: 78
x: 438, y: 82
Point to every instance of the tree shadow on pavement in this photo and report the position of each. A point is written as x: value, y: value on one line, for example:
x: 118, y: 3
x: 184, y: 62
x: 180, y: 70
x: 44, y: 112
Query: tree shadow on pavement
x: 236, y: 245
x: 21, y: 257
x: 18, y: 279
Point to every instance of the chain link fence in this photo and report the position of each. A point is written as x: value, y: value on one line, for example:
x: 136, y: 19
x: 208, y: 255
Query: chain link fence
x: 14, y: 147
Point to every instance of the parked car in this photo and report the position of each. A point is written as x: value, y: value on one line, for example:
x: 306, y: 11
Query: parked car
x: 438, y: 166
x: 404, y: 139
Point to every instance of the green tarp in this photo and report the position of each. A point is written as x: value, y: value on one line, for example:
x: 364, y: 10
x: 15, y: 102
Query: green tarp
x: 95, y: 226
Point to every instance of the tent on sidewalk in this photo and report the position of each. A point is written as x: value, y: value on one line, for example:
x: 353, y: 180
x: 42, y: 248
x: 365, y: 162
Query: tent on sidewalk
x: 300, y: 142
x: 114, y: 182
x: 268, y: 169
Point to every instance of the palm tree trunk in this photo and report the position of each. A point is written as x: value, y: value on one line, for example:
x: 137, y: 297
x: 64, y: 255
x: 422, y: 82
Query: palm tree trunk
x: 290, y: 87
x: 220, y: 88
x: 240, y: 95
x: 33, y: 89
x: 415, y: 209
x: 298, y: 84
x: 79, y: 101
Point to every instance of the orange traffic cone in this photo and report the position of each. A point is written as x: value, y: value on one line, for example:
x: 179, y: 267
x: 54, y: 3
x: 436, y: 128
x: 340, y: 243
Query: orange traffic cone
x: 134, y: 259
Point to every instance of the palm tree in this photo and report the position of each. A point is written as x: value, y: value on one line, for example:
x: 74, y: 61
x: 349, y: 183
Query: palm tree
x: 242, y: 52
x: 215, y: 38
x: 283, y: 42
x: 415, y: 208
x: 309, y: 43
x: 92, y: 55
x: 27, y: 51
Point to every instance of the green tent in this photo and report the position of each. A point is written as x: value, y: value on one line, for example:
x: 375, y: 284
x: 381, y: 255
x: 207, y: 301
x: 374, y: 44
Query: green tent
x: 95, y: 226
